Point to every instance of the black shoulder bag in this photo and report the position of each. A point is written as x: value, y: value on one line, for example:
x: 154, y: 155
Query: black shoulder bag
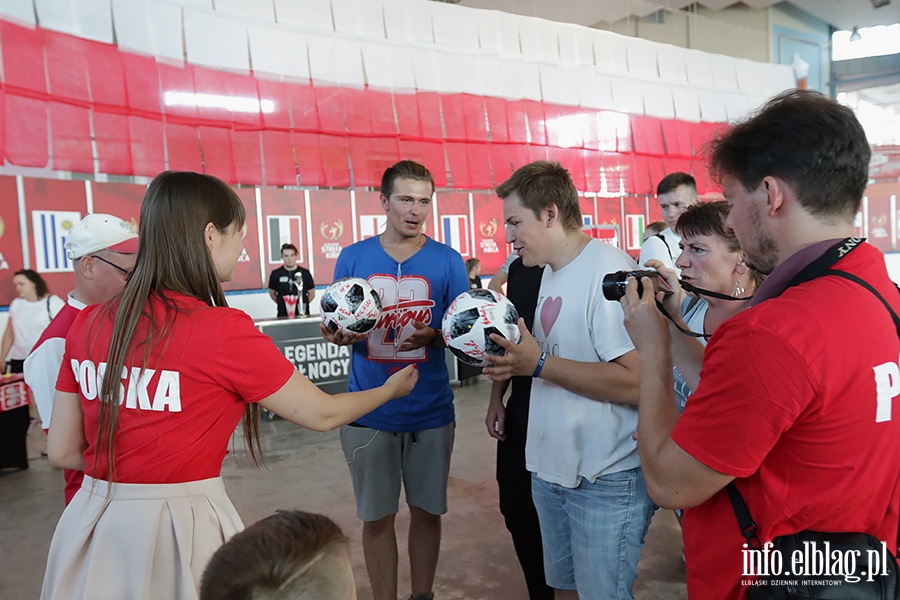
x: 853, y: 566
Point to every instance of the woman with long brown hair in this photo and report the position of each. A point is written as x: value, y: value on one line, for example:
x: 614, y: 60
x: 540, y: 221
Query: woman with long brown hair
x: 152, y: 386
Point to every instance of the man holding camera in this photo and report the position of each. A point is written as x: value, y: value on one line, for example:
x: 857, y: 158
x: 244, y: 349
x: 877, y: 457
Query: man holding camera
x: 587, y: 484
x: 795, y: 401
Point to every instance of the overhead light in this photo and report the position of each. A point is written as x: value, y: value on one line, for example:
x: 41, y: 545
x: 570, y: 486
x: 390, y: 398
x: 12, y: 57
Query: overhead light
x: 230, y: 103
x: 854, y: 35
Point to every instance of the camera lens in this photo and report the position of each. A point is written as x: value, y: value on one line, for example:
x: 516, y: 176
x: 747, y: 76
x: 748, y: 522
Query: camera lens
x: 614, y: 283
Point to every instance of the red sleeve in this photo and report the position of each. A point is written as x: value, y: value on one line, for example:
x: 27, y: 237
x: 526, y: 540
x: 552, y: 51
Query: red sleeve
x: 66, y: 381
x: 753, y: 387
x: 247, y: 361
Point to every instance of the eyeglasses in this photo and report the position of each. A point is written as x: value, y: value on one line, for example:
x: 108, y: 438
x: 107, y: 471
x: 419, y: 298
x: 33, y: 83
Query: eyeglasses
x: 124, y: 272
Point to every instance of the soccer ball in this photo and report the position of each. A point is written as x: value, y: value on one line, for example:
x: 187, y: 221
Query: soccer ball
x: 350, y: 305
x: 472, y: 317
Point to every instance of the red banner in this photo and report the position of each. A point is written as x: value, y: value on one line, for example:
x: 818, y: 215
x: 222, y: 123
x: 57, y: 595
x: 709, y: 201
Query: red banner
x: 121, y: 200
x: 588, y: 214
x: 10, y: 238
x: 331, y: 218
x: 881, y: 231
x: 52, y: 207
x: 609, y: 212
x: 490, y: 233
x: 285, y: 222
x: 246, y: 273
x: 370, y: 217
x: 454, y: 222
x: 13, y: 392
x: 885, y: 164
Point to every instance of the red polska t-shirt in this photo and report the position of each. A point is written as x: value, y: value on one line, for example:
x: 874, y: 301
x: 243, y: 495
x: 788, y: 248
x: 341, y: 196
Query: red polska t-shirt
x: 178, y: 416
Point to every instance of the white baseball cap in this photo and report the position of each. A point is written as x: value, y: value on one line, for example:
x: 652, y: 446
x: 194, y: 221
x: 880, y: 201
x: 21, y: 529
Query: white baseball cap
x: 100, y: 232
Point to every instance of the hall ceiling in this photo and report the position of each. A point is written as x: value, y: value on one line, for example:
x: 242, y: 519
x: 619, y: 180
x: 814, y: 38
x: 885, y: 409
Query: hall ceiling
x: 843, y: 14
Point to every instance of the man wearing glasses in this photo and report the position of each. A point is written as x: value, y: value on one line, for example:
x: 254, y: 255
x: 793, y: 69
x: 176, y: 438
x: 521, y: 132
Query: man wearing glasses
x: 103, y: 249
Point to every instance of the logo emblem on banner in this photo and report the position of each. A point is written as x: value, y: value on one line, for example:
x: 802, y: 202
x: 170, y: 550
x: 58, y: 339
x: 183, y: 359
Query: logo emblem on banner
x: 50, y: 230
x: 284, y: 229
x: 455, y: 232
x: 371, y: 225
x: 489, y: 228
x: 332, y: 231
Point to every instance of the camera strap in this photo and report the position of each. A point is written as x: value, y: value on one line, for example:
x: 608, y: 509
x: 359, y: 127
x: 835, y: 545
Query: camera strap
x: 701, y: 292
x: 687, y: 332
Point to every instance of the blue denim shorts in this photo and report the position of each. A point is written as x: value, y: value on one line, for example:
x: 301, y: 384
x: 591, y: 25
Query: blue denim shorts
x: 593, y: 534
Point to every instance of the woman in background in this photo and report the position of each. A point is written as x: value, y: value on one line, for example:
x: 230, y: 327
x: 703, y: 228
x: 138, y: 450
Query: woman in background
x: 152, y: 386
x: 29, y: 315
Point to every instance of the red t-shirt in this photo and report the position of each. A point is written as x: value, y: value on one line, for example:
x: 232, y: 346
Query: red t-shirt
x: 176, y: 420
x: 787, y: 404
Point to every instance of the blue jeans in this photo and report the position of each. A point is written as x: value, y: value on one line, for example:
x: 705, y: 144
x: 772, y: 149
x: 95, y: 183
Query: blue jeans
x: 593, y: 534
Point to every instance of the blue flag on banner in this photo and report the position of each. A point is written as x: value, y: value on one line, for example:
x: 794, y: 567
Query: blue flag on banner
x: 50, y: 230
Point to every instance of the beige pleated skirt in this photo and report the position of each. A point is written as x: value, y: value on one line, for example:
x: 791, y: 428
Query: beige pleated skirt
x: 147, y: 542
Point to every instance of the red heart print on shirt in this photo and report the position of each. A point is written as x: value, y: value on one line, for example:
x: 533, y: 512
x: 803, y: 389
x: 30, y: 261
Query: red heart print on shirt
x: 549, y: 312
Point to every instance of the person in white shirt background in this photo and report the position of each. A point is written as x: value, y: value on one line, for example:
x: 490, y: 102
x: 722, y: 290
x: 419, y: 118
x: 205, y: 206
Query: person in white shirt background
x: 676, y: 191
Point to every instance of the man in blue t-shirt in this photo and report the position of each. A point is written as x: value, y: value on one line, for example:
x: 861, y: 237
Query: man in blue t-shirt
x: 409, y: 439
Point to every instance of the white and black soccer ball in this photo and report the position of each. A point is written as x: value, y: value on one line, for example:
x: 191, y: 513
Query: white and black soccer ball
x: 350, y: 305
x: 472, y: 317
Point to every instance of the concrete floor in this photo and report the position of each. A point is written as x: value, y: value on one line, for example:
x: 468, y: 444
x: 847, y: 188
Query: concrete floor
x: 307, y: 471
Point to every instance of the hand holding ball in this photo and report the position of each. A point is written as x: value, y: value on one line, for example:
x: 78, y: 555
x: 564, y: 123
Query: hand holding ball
x: 350, y: 305
x: 472, y: 317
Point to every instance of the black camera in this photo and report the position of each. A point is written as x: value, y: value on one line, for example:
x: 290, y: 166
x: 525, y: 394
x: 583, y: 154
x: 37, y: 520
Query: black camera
x: 614, y: 283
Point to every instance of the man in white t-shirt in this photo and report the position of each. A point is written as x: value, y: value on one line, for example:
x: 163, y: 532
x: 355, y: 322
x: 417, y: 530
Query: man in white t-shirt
x: 103, y: 249
x: 676, y: 191
x: 587, y: 482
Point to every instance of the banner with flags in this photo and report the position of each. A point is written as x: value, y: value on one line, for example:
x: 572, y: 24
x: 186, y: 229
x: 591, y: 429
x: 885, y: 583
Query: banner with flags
x: 371, y: 225
x: 284, y: 229
x: 455, y: 233
x: 454, y: 222
x: 50, y: 230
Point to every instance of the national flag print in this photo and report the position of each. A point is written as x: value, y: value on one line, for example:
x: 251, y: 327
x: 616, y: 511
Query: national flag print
x: 371, y: 225
x: 50, y: 230
x: 455, y: 233
x: 284, y: 229
x: 634, y: 231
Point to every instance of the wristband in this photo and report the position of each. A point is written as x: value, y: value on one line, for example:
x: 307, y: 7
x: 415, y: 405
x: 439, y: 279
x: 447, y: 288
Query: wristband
x: 540, y: 365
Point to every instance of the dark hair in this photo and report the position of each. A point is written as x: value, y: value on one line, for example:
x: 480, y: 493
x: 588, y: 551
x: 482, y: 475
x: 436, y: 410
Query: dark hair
x: 813, y: 143
x: 542, y: 183
x: 172, y: 256
x: 472, y: 263
x: 289, y: 246
x: 271, y: 559
x: 405, y: 169
x: 708, y: 218
x: 673, y: 181
x: 40, y: 286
